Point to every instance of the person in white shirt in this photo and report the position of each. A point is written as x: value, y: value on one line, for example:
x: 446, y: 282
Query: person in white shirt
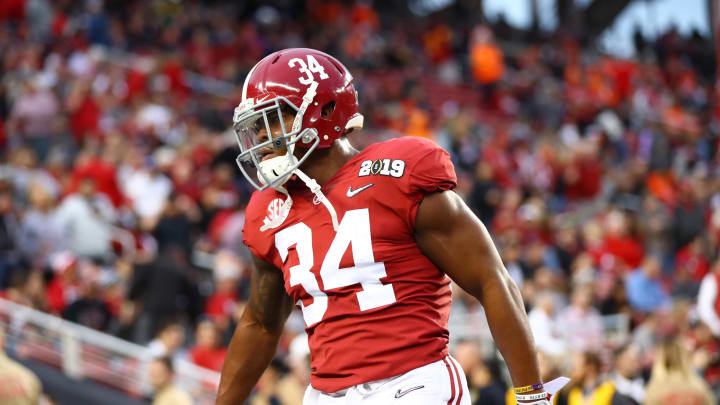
x: 86, y: 219
x: 542, y: 324
x: 41, y: 234
x: 147, y: 188
x: 168, y: 341
x: 582, y: 323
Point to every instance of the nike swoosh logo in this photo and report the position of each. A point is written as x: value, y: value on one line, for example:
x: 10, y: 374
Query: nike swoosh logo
x: 352, y: 193
x: 399, y: 393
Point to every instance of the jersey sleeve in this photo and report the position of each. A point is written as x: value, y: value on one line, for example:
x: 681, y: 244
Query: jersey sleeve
x: 259, y: 243
x: 429, y: 169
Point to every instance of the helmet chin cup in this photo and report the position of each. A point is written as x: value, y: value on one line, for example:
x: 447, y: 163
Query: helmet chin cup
x: 276, y: 171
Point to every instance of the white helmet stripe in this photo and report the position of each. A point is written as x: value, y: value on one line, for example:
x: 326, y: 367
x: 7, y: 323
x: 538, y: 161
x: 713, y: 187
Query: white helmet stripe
x: 247, y: 80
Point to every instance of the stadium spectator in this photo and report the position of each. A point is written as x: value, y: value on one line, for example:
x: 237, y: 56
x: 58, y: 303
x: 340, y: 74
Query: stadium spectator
x: 86, y: 219
x: 485, y: 196
x: 26, y: 288
x: 267, y: 392
x: 8, y: 228
x: 689, y: 215
x: 619, y: 244
x: 581, y: 164
x: 582, y: 325
x: 467, y: 354
x: 207, y: 351
x: 41, y: 233
x: 99, y: 168
x: 161, y: 373
x: 692, y: 260
x: 173, y: 226
x: 62, y: 290
x: 673, y: 380
x: 36, y: 115
x: 706, y: 355
x: 709, y: 299
x: 544, y: 326
x: 145, y: 186
x: 222, y: 304
x: 588, y: 386
x: 291, y: 387
x: 168, y: 341
x: 487, y: 381
x: 629, y: 386
x: 165, y: 289
x: 645, y: 290
x: 20, y: 386
x: 486, y: 58
x: 23, y: 169
x: 89, y: 308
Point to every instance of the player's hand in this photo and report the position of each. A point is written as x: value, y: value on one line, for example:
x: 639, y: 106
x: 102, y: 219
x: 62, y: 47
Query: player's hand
x: 542, y: 397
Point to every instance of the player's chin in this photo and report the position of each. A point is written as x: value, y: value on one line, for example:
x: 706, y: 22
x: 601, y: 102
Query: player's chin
x: 270, y: 155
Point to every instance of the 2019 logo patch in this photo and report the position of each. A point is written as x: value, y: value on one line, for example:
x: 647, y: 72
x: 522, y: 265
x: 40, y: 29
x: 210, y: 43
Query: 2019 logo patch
x: 383, y: 167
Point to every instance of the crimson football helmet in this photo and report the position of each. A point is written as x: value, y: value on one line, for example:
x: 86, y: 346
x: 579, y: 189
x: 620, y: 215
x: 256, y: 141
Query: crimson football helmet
x: 310, y: 84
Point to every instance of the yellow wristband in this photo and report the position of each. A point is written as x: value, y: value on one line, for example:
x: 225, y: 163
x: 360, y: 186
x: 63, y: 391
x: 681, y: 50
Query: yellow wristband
x: 528, y: 388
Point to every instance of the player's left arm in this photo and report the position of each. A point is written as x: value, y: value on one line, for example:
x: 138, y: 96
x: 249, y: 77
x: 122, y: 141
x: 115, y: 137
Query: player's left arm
x: 455, y: 240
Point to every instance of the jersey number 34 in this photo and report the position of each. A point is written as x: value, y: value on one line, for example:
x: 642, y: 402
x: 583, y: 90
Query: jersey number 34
x: 354, y: 229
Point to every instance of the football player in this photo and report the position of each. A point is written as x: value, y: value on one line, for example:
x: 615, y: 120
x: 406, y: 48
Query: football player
x: 365, y: 243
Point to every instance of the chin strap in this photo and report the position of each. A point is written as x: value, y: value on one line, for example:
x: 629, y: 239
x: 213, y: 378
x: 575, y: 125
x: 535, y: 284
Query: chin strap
x: 297, y: 122
x: 310, y: 183
x: 277, y: 220
x: 315, y: 188
x: 306, y: 100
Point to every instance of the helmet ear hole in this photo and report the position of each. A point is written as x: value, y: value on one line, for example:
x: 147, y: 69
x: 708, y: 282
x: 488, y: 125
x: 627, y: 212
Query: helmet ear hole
x: 327, y: 110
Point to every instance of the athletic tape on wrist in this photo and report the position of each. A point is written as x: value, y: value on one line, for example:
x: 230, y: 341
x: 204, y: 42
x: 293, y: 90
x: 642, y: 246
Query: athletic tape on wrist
x: 531, y: 397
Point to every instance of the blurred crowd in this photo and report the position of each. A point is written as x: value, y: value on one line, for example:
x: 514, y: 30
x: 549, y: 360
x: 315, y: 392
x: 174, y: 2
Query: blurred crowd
x: 121, y: 207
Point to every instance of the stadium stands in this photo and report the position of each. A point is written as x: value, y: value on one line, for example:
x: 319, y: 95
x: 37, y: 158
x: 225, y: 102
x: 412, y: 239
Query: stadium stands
x: 121, y: 207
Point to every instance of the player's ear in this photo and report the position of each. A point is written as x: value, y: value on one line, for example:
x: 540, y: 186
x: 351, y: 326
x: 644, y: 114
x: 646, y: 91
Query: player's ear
x: 327, y: 110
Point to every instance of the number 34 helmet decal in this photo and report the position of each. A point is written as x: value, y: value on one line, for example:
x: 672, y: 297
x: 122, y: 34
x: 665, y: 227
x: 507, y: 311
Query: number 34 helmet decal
x: 311, y: 86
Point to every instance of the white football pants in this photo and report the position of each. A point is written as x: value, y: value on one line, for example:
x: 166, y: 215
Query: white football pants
x: 439, y: 383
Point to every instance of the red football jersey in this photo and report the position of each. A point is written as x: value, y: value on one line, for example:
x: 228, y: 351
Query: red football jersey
x: 373, y: 304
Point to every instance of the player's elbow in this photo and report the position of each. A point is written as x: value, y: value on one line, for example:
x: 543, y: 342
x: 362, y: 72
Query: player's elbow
x: 512, y: 286
x: 507, y: 282
x: 256, y: 324
x: 499, y: 280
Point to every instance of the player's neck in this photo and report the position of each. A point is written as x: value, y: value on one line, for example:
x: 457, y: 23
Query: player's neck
x: 327, y: 162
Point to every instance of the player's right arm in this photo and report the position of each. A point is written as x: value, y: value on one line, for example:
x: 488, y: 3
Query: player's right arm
x: 256, y: 335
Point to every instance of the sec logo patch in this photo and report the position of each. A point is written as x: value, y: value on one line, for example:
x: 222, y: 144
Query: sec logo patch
x: 277, y: 212
x: 273, y: 209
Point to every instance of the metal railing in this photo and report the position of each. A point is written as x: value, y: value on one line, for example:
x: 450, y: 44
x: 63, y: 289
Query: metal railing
x: 473, y: 326
x: 84, y: 353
